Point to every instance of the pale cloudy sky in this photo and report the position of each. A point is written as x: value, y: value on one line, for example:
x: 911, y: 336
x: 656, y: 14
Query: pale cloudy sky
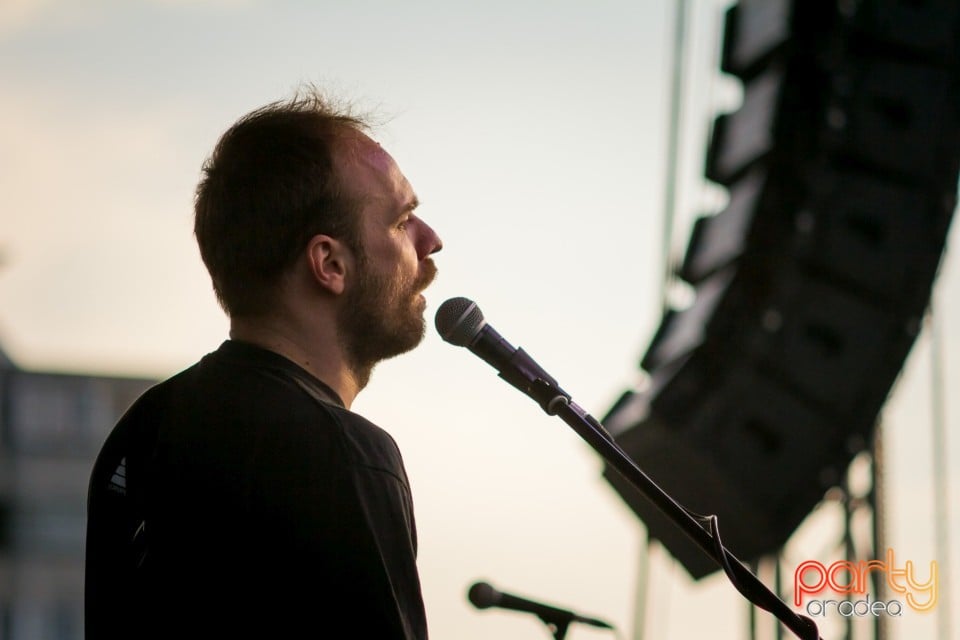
x: 534, y: 135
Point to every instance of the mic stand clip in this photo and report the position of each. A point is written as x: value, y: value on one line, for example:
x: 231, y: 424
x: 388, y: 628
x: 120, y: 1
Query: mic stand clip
x: 527, y: 376
x: 557, y: 627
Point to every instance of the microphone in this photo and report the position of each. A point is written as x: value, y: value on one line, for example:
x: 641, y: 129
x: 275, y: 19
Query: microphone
x: 484, y: 596
x: 460, y: 322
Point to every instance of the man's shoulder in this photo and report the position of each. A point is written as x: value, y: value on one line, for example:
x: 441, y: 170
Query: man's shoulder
x: 223, y: 371
x: 222, y: 394
x: 251, y: 398
x: 370, y: 445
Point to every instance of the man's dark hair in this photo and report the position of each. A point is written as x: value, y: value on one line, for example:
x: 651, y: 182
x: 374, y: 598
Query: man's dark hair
x: 270, y: 185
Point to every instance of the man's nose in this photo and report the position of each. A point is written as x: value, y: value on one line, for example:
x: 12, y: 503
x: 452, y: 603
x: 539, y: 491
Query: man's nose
x: 429, y: 243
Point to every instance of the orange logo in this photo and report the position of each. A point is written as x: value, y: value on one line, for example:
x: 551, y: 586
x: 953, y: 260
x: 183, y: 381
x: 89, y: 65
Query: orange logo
x: 844, y: 577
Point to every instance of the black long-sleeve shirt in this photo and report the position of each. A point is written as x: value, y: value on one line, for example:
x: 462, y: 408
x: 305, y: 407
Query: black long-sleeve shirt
x: 241, y: 499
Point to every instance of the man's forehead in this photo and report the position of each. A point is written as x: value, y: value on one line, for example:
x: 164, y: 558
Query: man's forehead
x: 356, y: 146
x: 375, y: 156
x: 360, y: 152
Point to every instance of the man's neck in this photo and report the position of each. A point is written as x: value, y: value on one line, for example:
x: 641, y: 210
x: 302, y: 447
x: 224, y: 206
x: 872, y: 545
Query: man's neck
x: 316, y: 350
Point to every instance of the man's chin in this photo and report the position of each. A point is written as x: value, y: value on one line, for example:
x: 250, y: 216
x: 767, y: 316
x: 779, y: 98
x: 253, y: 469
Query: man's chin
x: 410, y: 341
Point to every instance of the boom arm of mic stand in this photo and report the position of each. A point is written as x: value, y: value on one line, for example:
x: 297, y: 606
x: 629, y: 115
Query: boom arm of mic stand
x: 588, y: 428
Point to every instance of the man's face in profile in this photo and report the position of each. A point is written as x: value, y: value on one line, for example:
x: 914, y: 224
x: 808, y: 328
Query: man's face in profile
x: 382, y: 315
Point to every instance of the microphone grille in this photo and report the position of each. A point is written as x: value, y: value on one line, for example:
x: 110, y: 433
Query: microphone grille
x: 458, y: 321
x: 482, y: 595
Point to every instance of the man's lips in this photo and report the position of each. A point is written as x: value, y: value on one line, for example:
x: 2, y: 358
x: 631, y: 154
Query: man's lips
x: 427, y: 275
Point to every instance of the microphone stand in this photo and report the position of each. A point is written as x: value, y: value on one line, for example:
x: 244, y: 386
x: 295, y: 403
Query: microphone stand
x: 554, y: 401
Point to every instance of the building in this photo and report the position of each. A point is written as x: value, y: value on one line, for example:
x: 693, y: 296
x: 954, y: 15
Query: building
x: 51, y: 427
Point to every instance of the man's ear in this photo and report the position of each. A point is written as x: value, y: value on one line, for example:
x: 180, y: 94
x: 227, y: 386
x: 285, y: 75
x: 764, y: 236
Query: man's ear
x: 329, y: 260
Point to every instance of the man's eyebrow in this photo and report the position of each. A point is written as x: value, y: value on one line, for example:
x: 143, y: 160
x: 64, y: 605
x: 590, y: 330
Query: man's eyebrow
x: 408, y: 208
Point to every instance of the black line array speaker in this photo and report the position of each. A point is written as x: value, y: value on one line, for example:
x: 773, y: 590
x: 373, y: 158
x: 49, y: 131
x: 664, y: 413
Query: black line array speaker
x: 811, y: 285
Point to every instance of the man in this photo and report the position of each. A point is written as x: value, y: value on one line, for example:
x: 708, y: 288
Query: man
x: 242, y: 497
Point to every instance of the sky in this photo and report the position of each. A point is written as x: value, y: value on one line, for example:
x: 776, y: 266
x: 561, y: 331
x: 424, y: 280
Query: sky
x: 535, y: 137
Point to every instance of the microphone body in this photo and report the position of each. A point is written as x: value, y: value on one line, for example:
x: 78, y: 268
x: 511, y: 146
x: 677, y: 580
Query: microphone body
x: 459, y: 321
x: 483, y: 596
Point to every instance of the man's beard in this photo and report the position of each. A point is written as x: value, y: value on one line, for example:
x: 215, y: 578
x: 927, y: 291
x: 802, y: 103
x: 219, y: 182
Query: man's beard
x: 382, y: 317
